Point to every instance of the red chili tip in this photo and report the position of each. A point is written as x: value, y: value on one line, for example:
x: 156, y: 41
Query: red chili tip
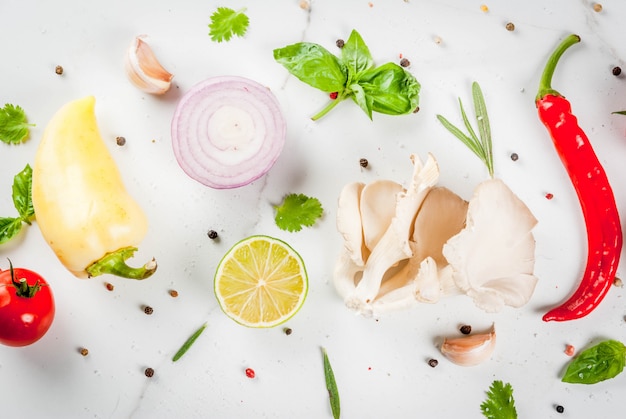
x: 250, y: 373
x: 334, y: 95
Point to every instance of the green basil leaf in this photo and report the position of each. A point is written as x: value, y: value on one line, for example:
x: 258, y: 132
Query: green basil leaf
x: 22, y: 193
x: 392, y: 89
x: 598, y: 363
x: 313, y: 65
x: 9, y: 227
x: 361, y: 99
x: 356, y: 55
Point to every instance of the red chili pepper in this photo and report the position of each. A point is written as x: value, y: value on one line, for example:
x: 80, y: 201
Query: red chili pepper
x: 604, y: 232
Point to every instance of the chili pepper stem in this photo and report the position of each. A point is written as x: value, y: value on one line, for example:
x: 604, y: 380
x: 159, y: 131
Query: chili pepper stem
x: 114, y: 263
x: 545, y: 84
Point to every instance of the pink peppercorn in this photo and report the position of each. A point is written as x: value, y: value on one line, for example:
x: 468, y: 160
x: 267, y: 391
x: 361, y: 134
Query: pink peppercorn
x: 250, y: 373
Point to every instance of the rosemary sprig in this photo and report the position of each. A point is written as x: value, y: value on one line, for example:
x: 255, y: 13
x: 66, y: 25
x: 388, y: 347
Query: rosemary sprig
x: 188, y: 343
x: 482, y: 146
x: 331, y: 386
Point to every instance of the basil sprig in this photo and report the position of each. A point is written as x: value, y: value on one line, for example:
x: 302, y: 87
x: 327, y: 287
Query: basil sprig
x: 598, y: 363
x: 387, y: 89
x: 23, y: 202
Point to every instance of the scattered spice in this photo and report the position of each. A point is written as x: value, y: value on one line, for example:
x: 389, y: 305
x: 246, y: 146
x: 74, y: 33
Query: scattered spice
x: 416, y: 110
x: 305, y: 5
x: 59, y: 70
x: 173, y: 293
x: 616, y: 71
x: 287, y: 330
x: 148, y: 310
x: 84, y: 351
x: 109, y: 286
x: 514, y: 156
x: 597, y: 7
x: 433, y: 362
x: 120, y: 141
x: 617, y: 282
x: 484, y: 8
x: 549, y: 196
x: 250, y: 373
x: 560, y: 409
x: 340, y: 43
x: 212, y: 234
x: 364, y: 162
x: 404, y: 62
x: 149, y: 372
x: 438, y: 40
x: 510, y: 26
x: 183, y: 349
x: 466, y: 329
x: 333, y: 95
x: 569, y: 350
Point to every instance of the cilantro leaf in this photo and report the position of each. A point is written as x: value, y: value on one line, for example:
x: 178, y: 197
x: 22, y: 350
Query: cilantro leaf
x: 297, y: 210
x: 500, y: 403
x: 226, y: 22
x: 14, y: 127
x: 23, y: 201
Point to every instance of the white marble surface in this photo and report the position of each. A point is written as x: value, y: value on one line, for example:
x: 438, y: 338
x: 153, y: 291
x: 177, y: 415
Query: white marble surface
x: 380, y: 365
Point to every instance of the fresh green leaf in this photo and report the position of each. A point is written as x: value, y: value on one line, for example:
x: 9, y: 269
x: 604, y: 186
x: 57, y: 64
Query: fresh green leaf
x: 226, y: 22
x: 183, y: 349
x: 9, y: 227
x: 356, y: 56
x: 391, y: 89
x: 361, y: 99
x: 331, y: 386
x: 14, y: 127
x: 314, y: 65
x: 499, y: 403
x: 598, y: 363
x: 22, y: 194
x: 482, y: 146
x: 297, y: 210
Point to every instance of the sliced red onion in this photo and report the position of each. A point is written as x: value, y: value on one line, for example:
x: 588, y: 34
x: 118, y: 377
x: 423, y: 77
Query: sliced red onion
x: 227, y: 131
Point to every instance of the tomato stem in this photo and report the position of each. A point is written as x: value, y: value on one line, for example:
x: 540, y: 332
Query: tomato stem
x: 545, y: 84
x: 22, y: 288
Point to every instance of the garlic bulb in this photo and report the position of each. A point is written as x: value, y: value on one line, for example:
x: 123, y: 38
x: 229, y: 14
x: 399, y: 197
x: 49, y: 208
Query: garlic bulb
x: 144, y: 70
x: 470, y: 350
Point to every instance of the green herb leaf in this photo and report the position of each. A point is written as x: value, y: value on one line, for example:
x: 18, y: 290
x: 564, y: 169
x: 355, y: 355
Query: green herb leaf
x: 482, y: 146
x: 314, y: 65
x: 619, y: 112
x: 297, y: 210
x: 9, y: 227
x: 331, y: 386
x: 226, y: 22
x: 183, y: 349
x: 499, y: 403
x: 598, y: 363
x: 388, y: 89
x: 14, y: 127
x: 22, y: 194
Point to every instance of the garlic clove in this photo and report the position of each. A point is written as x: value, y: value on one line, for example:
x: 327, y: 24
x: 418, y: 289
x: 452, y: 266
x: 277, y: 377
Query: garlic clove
x: 470, y: 350
x: 144, y: 70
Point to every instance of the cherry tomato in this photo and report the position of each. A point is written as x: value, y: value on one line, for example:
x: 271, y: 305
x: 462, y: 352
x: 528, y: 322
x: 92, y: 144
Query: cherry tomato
x: 26, y: 307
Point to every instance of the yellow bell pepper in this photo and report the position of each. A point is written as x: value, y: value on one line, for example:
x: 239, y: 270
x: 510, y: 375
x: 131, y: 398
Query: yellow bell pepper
x: 81, y: 204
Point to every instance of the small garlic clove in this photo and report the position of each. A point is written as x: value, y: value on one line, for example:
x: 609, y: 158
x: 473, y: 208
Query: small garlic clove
x: 144, y: 70
x: 471, y: 349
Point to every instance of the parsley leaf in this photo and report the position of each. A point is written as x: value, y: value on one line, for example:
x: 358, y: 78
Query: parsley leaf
x: 226, y: 22
x: 22, y: 200
x: 500, y: 403
x: 14, y: 127
x: 297, y: 210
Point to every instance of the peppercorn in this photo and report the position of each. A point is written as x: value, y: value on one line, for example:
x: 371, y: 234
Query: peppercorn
x: 120, y: 141
x: 59, y: 70
x: 149, y: 372
x: 617, y: 282
x: 287, y: 331
x: 616, y: 71
x: 212, y: 234
x: 84, y: 351
x: 433, y: 362
x: 250, y: 373
x: 174, y: 293
x: 404, y: 62
x: 333, y: 95
x: 549, y: 196
x: 514, y: 156
x: 510, y: 26
x: 597, y: 7
x: 560, y: 409
x: 416, y: 110
x: 340, y: 43
x: 466, y: 329
x: 363, y: 162
x: 148, y: 310
x: 109, y: 286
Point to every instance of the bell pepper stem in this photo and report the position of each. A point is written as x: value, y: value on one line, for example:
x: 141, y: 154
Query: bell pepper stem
x: 114, y: 263
x: 545, y: 84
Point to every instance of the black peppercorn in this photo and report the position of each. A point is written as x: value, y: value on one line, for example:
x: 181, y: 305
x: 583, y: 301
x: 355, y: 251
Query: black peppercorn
x: 212, y: 234
x: 149, y: 372
x: 616, y: 71
x: 120, y: 141
x: 287, y: 331
x: 433, y: 362
x: 340, y: 43
x: 148, y: 310
x: 514, y: 156
x: 466, y: 329
x: 363, y: 162
x: 510, y: 27
x: 404, y: 62
x: 560, y: 409
x: 59, y: 70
